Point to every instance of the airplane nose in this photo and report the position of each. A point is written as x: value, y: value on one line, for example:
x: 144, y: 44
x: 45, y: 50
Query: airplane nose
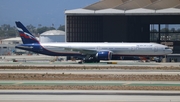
x: 169, y: 51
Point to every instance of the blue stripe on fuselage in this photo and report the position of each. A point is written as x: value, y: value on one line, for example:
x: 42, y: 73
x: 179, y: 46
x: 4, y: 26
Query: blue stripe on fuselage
x: 37, y: 48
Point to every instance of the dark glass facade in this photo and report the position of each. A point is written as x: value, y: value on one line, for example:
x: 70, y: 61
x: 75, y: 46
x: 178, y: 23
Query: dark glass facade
x: 84, y: 29
x: 123, y: 28
x: 164, y: 32
x: 106, y: 29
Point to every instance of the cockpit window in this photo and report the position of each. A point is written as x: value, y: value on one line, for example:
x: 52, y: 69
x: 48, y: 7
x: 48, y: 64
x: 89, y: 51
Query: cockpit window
x: 166, y: 47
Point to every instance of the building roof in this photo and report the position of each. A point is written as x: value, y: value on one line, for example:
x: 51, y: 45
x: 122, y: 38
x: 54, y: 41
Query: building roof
x: 54, y: 32
x: 130, y: 7
x: 15, y: 39
x: 12, y: 39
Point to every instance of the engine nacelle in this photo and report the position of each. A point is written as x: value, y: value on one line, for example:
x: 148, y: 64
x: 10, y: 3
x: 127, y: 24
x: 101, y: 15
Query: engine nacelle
x: 104, y: 55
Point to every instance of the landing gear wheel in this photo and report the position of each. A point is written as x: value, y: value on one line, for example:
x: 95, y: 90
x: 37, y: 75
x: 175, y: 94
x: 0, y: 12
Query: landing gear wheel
x: 92, y: 60
x: 97, y: 61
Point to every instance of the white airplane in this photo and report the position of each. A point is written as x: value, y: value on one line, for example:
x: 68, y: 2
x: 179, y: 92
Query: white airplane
x: 89, y: 51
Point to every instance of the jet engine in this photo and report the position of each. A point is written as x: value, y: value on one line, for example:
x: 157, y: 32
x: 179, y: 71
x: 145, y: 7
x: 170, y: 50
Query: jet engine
x: 104, y: 55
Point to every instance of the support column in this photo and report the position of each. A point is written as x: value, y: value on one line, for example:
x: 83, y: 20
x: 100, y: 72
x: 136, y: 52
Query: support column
x: 159, y: 33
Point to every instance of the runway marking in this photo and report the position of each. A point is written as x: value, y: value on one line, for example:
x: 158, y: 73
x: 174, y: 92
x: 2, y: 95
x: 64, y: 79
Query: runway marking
x: 125, y: 84
x: 70, y: 83
x: 18, y: 83
x: 20, y: 63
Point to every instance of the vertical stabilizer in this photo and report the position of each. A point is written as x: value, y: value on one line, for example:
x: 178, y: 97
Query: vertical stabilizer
x: 26, y: 36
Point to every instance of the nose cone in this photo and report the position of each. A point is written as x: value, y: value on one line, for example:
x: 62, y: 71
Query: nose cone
x: 169, y: 51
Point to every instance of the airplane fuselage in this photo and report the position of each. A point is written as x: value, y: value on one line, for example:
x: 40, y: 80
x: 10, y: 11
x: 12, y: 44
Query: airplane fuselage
x: 78, y: 49
x: 91, y: 51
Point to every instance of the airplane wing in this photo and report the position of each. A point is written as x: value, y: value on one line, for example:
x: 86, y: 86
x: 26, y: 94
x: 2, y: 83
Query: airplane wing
x: 80, y: 50
x: 83, y: 51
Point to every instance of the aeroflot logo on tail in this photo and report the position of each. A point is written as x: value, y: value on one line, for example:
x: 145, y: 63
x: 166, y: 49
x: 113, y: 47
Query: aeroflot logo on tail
x: 25, y: 35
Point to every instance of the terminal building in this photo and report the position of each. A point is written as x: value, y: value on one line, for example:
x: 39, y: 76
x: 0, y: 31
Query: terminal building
x: 7, y: 46
x: 126, y: 21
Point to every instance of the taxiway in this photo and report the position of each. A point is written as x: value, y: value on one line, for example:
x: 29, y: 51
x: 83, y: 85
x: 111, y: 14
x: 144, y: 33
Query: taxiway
x: 87, y: 71
x: 103, y: 83
x: 88, y: 96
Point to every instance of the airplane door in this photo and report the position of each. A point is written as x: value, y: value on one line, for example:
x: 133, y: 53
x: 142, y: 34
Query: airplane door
x: 163, y: 50
x: 70, y: 48
x: 41, y: 49
x: 133, y: 49
x: 155, y: 49
x: 98, y: 48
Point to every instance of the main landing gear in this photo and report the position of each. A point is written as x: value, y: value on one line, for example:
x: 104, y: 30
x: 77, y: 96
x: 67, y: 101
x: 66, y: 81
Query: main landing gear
x: 90, y: 60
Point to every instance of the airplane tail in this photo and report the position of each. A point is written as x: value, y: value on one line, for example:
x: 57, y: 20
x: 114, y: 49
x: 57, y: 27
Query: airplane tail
x: 26, y: 36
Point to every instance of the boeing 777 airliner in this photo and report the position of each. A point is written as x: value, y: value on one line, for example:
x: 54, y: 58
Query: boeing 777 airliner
x: 95, y: 51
